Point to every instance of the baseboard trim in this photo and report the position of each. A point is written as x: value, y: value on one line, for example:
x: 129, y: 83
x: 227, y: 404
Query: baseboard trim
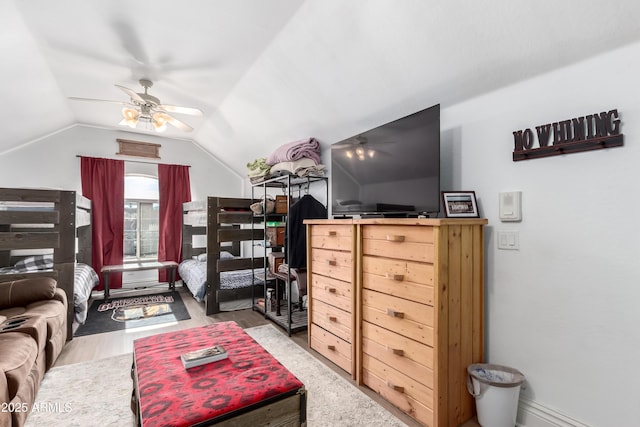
x: 533, y: 414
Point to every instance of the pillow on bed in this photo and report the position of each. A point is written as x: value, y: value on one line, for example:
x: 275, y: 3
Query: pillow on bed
x: 35, y: 262
x: 223, y: 255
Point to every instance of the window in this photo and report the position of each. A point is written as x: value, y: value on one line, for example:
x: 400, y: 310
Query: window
x: 141, y: 218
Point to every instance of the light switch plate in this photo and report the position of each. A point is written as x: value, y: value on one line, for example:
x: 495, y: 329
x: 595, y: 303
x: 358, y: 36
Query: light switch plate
x: 509, y: 240
x: 511, y: 206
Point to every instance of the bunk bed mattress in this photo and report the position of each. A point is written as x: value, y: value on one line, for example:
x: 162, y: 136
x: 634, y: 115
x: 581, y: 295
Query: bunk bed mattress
x: 194, y: 274
x: 85, y: 280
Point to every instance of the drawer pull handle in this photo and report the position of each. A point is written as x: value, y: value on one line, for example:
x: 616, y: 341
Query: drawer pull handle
x: 396, y: 351
x: 331, y: 290
x: 331, y: 347
x: 394, y: 313
x: 333, y: 318
x: 396, y: 277
x: 397, y: 388
x: 332, y: 262
x: 395, y: 238
x: 332, y: 233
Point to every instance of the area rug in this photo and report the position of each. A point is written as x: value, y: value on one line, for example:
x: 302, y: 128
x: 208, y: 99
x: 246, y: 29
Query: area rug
x: 99, y: 392
x: 133, y: 312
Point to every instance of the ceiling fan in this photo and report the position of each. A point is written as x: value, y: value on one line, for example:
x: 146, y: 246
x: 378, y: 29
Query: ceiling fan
x: 148, y: 110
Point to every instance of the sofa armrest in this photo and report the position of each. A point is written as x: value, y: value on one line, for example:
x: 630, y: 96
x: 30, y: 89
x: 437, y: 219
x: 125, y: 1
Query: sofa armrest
x: 61, y: 296
x: 5, y: 416
x: 22, y: 292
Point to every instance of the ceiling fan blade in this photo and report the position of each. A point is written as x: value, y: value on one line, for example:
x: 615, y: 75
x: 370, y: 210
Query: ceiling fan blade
x: 177, y: 123
x: 73, y: 98
x: 181, y: 110
x: 134, y: 96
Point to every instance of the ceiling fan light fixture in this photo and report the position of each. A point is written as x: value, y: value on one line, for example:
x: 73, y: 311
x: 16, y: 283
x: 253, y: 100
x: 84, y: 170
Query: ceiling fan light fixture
x: 130, y: 116
x: 349, y: 154
x: 371, y: 153
x: 159, y: 122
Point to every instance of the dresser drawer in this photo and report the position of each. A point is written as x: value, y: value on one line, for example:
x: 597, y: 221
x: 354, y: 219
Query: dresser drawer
x: 408, y: 318
x: 334, y: 292
x: 332, y: 319
x: 407, y: 394
x: 332, y: 236
x: 404, y: 354
x: 399, y: 242
x: 404, y: 279
x: 330, y: 346
x: 405, y: 233
x: 334, y: 264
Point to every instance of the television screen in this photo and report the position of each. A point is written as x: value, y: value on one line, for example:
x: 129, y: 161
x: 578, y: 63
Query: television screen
x: 391, y: 170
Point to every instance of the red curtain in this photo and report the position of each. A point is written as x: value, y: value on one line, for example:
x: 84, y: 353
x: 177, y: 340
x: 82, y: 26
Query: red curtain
x: 175, y: 189
x: 103, y: 183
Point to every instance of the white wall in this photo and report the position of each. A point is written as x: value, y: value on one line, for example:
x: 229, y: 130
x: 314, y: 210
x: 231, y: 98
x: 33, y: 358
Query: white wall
x: 564, y: 308
x: 51, y: 162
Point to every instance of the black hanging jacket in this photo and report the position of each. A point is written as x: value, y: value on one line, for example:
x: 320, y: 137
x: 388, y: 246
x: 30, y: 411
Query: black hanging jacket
x: 305, y: 208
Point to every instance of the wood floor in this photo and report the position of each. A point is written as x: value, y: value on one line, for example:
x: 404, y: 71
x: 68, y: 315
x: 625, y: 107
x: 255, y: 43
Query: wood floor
x: 98, y: 346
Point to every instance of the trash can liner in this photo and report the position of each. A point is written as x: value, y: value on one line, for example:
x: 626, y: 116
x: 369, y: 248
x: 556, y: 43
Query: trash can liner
x: 496, y: 389
x: 495, y: 375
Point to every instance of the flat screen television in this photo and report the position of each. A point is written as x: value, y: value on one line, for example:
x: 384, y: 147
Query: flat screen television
x: 392, y: 170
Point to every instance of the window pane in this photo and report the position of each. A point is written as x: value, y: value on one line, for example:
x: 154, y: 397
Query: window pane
x: 130, y: 229
x: 141, y: 187
x: 141, y: 217
x: 149, y: 229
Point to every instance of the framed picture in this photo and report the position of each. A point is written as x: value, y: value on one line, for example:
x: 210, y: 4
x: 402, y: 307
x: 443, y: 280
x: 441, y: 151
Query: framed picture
x: 460, y: 204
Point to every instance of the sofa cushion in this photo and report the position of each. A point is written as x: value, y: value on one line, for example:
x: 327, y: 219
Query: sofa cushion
x: 25, y: 291
x: 18, y: 353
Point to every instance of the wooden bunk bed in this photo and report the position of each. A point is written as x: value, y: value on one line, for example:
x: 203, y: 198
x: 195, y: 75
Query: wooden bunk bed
x: 36, y: 222
x: 227, y: 275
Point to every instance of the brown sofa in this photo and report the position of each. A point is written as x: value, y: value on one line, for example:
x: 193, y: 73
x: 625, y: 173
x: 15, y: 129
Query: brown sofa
x: 33, y: 330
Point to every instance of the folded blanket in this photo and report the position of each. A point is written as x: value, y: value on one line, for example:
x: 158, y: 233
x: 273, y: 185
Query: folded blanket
x: 293, y: 166
x: 309, y: 147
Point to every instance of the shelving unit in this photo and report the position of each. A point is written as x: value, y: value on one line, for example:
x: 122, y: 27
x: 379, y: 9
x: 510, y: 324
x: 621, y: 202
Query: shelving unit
x: 291, y: 318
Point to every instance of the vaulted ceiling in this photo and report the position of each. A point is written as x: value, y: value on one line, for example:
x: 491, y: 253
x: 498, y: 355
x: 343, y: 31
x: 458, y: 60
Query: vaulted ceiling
x: 270, y: 72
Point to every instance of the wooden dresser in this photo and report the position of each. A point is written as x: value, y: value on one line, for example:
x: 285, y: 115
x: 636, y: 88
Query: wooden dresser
x: 330, y: 291
x: 418, y: 311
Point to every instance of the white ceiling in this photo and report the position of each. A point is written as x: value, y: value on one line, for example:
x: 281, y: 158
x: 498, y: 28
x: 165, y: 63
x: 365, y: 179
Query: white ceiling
x: 270, y: 72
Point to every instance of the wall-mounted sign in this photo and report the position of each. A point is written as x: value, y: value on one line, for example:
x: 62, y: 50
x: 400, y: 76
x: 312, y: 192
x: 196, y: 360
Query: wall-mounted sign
x: 590, y: 132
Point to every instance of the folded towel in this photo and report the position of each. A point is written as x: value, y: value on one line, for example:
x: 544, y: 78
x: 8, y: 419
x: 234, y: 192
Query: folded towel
x: 309, y: 147
x: 317, y: 170
x: 258, y: 167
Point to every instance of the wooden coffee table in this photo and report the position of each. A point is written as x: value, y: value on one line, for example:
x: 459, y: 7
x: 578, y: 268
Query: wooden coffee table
x: 250, y: 387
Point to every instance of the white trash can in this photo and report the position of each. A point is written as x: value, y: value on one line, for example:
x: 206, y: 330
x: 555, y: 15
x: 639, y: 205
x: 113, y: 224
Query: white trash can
x: 496, y: 389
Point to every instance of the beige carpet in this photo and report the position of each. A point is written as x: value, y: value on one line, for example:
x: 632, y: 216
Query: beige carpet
x: 98, y: 393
